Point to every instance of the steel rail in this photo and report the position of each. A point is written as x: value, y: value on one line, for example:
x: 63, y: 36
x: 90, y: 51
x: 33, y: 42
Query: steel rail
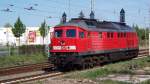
x: 24, y: 68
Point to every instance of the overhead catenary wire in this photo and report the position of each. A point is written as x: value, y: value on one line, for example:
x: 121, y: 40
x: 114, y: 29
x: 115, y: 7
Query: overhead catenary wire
x: 76, y: 7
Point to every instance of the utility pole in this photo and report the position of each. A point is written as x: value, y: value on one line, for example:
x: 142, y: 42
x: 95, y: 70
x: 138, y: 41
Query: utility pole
x: 46, y: 41
x: 149, y: 20
x: 149, y: 30
x: 48, y: 37
x: 92, y: 5
x: 145, y: 32
x: 69, y: 9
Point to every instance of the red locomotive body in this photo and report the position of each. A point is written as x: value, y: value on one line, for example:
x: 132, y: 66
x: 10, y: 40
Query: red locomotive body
x: 83, y: 42
x: 88, y: 42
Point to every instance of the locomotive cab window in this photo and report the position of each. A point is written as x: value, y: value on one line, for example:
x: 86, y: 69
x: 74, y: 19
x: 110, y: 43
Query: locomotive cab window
x: 58, y: 33
x: 71, y: 33
x: 81, y: 34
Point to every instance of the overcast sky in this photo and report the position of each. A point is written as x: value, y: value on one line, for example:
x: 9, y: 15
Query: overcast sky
x: 137, y: 11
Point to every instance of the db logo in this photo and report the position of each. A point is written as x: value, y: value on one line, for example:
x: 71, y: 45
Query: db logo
x: 63, y: 47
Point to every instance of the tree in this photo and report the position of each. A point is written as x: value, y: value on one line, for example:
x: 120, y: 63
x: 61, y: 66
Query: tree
x: 141, y: 32
x: 18, y: 29
x: 42, y: 30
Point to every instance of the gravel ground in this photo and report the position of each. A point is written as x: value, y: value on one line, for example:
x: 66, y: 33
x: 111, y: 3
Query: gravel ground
x: 140, y: 77
x: 124, y: 78
x: 127, y: 78
x: 62, y: 81
x: 20, y: 75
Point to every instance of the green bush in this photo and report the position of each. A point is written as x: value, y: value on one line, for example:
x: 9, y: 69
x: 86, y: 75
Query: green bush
x: 146, y: 82
x: 31, y: 49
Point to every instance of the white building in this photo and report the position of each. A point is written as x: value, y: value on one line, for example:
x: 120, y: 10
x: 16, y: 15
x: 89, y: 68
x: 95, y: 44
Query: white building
x: 30, y: 37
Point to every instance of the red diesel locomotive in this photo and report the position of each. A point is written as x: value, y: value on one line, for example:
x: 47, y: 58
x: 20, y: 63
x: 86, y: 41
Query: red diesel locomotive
x: 83, y: 42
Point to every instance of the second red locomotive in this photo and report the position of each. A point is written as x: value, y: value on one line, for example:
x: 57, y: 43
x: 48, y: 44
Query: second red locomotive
x: 83, y: 42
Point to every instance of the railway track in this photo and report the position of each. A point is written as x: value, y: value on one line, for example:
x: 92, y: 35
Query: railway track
x: 31, y: 78
x: 40, y: 66
x: 24, y: 68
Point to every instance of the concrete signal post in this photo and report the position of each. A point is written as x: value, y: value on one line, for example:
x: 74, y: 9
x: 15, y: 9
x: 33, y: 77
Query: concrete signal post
x: 149, y: 44
x: 47, y: 40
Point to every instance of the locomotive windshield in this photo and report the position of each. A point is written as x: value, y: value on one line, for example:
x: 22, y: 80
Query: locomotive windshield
x: 58, y: 33
x: 71, y: 33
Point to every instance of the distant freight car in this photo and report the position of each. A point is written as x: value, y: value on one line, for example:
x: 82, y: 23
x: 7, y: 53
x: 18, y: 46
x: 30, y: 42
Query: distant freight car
x: 83, y: 42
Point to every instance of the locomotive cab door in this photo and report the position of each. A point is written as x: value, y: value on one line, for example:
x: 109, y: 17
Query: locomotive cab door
x: 82, y: 42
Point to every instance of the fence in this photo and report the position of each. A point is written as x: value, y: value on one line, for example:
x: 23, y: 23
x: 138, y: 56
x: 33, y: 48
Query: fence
x: 23, y: 50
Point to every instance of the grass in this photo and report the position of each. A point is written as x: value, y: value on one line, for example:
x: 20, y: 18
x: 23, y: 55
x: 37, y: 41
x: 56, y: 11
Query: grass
x: 146, y: 82
x: 125, y: 67
x: 9, y: 61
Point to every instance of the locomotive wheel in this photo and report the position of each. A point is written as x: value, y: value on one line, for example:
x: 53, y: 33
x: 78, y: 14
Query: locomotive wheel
x: 94, y: 60
x: 84, y: 66
x: 91, y: 65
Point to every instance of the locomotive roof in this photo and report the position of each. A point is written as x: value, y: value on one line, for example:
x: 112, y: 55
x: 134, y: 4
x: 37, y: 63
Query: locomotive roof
x: 95, y: 25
